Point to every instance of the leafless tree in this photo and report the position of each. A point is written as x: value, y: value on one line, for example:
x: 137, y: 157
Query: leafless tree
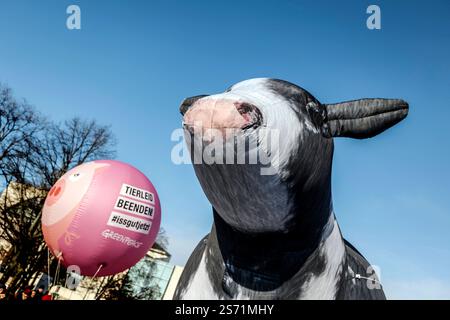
x: 19, y: 122
x: 34, y: 154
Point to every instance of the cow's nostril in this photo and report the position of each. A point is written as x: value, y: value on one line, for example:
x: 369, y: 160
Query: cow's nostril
x: 244, y: 108
x: 50, y: 193
x: 250, y: 113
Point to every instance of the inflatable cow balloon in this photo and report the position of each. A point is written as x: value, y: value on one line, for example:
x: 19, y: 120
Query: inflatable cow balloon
x: 266, y: 148
x: 102, y: 217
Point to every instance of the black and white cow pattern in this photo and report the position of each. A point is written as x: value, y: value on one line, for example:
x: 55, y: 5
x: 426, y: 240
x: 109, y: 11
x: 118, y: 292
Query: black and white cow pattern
x: 275, y: 236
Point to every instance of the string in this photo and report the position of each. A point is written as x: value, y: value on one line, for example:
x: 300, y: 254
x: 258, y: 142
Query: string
x: 48, y: 269
x: 58, y: 267
x: 93, y: 277
x: 98, y: 270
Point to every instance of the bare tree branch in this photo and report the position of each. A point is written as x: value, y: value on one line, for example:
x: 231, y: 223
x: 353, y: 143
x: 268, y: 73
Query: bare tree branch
x: 34, y: 154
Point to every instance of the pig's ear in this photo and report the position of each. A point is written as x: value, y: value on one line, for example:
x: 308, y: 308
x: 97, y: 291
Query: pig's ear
x: 188, y: 102
x: 363, y: 118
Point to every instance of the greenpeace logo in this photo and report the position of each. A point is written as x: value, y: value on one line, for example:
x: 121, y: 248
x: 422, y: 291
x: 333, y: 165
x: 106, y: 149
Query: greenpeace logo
x: 109, y: 234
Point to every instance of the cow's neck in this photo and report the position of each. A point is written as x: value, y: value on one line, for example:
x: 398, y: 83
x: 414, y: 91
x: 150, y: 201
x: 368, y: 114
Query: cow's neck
x: 265, y: 261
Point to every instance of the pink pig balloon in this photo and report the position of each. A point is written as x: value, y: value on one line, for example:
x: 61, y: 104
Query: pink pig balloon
x: 102, y: 216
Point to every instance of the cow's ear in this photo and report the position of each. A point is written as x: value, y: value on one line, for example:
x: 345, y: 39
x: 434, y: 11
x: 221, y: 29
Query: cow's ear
x: 363, y: 118
x: 188, y: 102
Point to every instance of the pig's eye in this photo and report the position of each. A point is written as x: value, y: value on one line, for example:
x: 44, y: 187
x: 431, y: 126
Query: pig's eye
x: 75, y: 177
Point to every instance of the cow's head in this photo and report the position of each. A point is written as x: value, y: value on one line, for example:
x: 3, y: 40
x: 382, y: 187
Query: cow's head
x: 289, y: 133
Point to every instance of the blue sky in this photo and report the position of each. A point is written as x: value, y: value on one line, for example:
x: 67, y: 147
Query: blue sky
x: 133, y: 62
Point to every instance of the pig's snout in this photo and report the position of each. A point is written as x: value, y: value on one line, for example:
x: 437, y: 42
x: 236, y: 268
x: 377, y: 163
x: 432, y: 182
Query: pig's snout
x: 55, y: 193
